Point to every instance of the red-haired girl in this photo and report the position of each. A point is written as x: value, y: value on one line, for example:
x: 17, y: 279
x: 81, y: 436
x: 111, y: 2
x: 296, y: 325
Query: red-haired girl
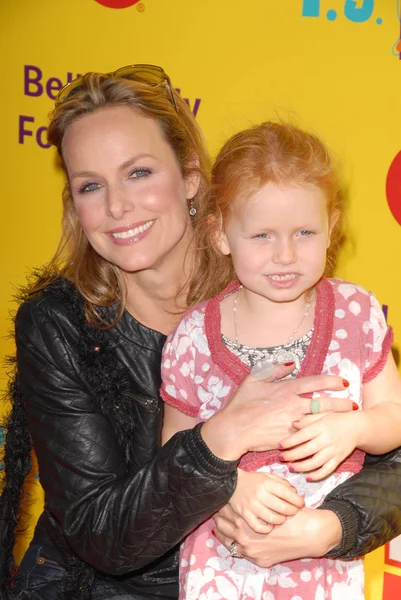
x: 273, y: 217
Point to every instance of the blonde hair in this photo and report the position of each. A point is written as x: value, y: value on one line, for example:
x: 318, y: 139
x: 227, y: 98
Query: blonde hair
x: 271, y: 152
x: 100, y: 282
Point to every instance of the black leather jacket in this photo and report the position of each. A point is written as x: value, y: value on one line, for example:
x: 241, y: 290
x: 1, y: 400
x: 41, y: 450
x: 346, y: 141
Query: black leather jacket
x: 114, y: 498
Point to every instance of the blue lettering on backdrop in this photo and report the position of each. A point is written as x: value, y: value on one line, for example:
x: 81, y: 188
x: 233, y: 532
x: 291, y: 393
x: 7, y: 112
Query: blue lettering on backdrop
x: 357, y: 11
x: 311, y: 8
x: 358, y: 14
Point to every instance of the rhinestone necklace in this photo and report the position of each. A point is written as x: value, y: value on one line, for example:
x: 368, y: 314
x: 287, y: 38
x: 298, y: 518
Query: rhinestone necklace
x: 306, y: 313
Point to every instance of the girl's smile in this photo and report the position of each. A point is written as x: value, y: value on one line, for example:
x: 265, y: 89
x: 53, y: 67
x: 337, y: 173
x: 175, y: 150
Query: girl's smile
x: 278, y: 239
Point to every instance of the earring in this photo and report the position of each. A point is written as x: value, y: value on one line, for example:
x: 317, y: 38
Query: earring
x: 192, y: 209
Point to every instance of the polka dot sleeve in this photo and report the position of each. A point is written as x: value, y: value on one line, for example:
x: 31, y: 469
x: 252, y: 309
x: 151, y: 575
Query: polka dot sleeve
x: 178, y: 367
x: 378, y: 339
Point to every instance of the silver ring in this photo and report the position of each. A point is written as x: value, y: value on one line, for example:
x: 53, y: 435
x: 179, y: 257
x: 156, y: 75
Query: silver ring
x: 233, y: 550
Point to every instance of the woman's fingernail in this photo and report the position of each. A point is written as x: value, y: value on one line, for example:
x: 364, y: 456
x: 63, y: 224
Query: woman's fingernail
x: 297, y: 421
x: 291, y: 468
x: 262, y: 370
x: 214, y: 533
x: 281, y: 457
x: 345, y: 383
x: 280, y: 446
x: 309, y: 478
x: 288, y: 364
x: 355, y: 406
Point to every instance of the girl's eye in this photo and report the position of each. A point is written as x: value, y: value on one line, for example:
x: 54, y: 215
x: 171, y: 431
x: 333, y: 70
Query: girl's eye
x: 139, y: 172
x: 305, y: 232
x: 88, y: 187
x: 262, y: 236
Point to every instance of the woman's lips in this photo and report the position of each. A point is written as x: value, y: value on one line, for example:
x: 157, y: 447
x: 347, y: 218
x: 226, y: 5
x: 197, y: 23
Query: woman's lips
x: 131, y: 234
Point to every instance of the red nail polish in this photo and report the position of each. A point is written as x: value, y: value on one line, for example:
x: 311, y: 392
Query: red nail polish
x: 291, y: 469
x: 297, y: 421
x: 355, y: 406
x: 288, y: 364
x: 280, y: 446
x: 213, y: 533
x: 281, y: 457
x: 345, y: 383
x: 309, y: 478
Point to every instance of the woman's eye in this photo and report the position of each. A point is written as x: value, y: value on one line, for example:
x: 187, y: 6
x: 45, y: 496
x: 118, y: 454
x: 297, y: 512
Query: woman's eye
x: 262, y: 236
x: 305, y: 232
x: 139, y: 173
x: 88, y: 187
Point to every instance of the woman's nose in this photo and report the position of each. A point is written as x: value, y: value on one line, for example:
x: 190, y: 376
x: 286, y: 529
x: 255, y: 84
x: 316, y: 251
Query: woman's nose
x: 118, y: 201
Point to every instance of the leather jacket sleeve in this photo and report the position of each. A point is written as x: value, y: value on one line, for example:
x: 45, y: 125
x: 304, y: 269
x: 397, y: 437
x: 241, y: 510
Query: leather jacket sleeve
x: 368, y: 506
x: 115, y: 520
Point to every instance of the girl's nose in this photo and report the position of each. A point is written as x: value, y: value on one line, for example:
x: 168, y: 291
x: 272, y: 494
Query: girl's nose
x: 284, y: 252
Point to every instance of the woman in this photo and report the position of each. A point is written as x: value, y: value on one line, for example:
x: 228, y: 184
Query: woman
x: 89, y: 337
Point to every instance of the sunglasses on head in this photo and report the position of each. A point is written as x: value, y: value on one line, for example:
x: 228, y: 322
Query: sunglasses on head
x: 149, y: 74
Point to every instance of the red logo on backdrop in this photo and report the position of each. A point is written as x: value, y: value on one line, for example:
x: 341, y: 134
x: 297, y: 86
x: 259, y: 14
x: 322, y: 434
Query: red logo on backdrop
x: 393, y: 188
x: 117, y: 3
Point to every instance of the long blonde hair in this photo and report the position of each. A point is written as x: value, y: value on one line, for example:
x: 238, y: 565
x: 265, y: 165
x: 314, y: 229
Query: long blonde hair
x: 100, y: 282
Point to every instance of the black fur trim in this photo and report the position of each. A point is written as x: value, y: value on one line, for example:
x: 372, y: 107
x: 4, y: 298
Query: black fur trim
x: 110, y: 382
x: 17, y: 464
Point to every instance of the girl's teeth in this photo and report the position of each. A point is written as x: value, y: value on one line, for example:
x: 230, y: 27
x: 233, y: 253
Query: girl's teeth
x: 132, y: 232
x: 283, y: 277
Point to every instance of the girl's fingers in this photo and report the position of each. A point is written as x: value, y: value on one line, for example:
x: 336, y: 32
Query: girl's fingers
x: 308, y: 420
x: 308, y: 448
x: 281, y: 499
x: 323, y: 472
x: 259, y: 525
x: 279, y: 479
x: 311, y: 464
x: 268, y: 515
x: 300, y: 437
x: 276, y: 506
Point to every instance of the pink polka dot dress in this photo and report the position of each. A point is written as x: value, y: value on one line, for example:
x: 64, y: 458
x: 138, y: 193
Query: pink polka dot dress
x: 351, y: 339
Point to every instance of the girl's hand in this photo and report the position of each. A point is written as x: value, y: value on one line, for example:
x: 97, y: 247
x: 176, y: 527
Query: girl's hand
x: 321, y: 443
x: 264, y: 500
x: 309, y: 533
x: 260, y: 413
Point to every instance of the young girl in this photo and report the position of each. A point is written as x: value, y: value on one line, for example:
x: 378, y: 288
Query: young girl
x: 275, y: 210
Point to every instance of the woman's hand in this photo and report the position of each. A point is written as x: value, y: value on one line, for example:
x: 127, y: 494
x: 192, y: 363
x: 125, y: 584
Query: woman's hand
x: 260, y: 413
x: 321, y: 443
x: 308, y: 534
x: 264, y: 500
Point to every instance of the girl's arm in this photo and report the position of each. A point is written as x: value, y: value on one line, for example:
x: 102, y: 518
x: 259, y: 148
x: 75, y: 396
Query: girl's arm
x: 379, y: 423
x: 262, y: 500
x: 323, y: 441
x: 175, y: 421
x: 357, y: 517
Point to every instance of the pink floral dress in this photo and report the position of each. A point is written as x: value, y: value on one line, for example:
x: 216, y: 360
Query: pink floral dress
x: 351, y: 339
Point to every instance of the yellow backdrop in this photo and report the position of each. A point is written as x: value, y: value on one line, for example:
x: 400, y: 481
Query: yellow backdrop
x: 332, y: 66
